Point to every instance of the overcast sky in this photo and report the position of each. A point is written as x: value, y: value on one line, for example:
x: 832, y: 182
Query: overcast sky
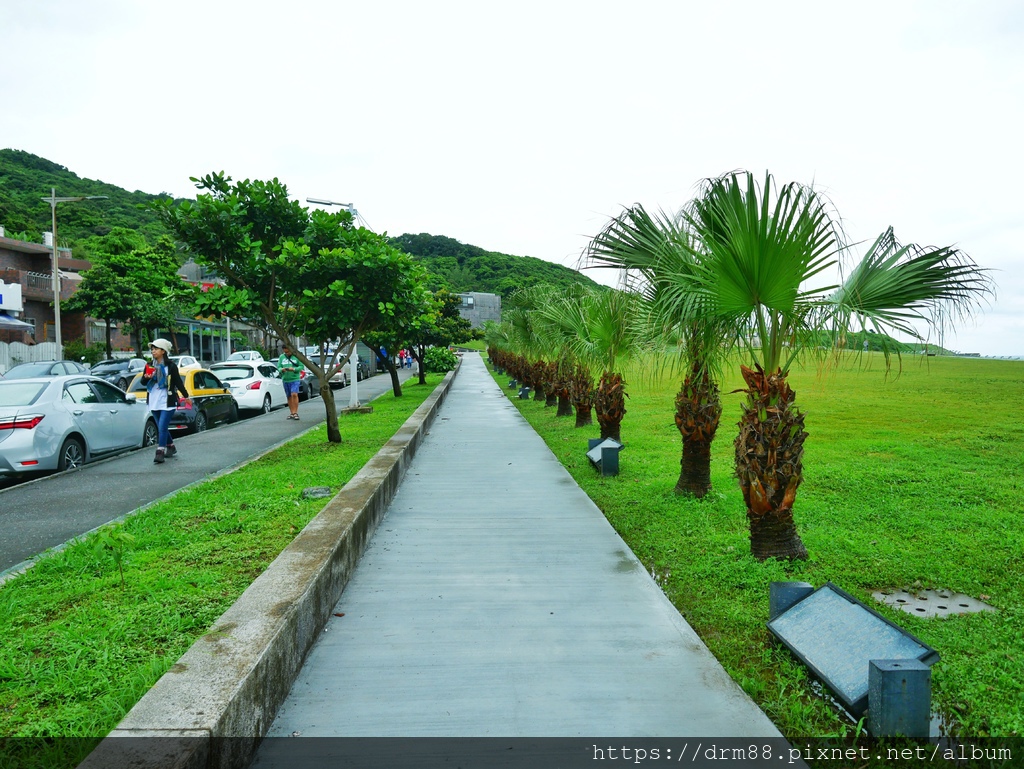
x: 522, y: 127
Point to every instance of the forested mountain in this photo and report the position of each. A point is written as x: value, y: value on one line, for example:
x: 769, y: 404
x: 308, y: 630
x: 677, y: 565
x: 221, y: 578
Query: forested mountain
x: 26, y: 178
x: 462, y: 267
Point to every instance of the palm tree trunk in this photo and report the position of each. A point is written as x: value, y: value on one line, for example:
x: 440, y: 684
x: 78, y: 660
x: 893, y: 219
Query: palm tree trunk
x: 698, y: 411
x: 769, y: 464
x: 610, y: 405
x: 581, y: 395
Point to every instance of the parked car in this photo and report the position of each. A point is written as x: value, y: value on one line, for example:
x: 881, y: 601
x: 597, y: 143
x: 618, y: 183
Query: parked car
x: 340, y: 379
x: 45, y: 368
x: 309, y: 384
x: 210, y: 401
x: 185, y: 363
x: 246, y: 355
x: 257, y: 386
x: 62, y: 422
x: 118, y: 371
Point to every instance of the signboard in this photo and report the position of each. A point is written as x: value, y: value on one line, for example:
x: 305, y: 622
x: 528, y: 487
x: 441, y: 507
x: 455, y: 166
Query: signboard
x: 10, y: 297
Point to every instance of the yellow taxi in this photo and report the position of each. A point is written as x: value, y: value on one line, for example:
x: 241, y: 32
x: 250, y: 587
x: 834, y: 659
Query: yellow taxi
x: 210, y: 401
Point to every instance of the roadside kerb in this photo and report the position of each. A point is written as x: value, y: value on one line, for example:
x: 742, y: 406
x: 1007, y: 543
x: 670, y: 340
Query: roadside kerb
x: 216, y: 703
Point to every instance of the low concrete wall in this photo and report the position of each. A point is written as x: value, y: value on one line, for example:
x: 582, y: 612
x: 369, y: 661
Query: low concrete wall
x: 212, y: 708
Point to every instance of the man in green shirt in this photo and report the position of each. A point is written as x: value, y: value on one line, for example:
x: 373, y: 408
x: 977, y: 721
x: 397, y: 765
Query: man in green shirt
x: 291, y: 372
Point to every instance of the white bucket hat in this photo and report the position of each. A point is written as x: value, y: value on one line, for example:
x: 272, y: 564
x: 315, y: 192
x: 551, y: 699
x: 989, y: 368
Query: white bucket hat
x: 163, y: 344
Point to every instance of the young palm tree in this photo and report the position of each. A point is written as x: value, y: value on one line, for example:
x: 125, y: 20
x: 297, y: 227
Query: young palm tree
x: 598, y: 329
x: 756, y: 251
x: 657, y: 253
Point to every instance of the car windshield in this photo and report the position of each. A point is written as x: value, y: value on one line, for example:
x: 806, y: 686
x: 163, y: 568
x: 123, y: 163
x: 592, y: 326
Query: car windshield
x: 115, y: 365
x: 26, y: 370
x: 227, y: 373
x: 20, y: 393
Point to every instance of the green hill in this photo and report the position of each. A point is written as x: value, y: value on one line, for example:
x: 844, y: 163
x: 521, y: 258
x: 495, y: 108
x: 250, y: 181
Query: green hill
x: 463, y: 267
x: 26, y: 178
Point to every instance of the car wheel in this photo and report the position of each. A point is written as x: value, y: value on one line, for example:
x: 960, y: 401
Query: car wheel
x: 304, y: 393
x: 72, y: 455
x: 122, y: 383
x: 200, y: 423
x: 267, y: 406
x: 233, y: 414
x: 151, y: 434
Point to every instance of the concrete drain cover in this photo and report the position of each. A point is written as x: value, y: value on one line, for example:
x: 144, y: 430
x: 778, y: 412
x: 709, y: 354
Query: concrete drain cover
x: 931, y: 603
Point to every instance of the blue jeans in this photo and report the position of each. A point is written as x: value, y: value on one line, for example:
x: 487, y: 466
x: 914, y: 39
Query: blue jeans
x: 163, y: 424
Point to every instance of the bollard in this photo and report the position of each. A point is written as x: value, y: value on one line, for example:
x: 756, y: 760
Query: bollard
x: 899, y: 698
x: 524, y: 393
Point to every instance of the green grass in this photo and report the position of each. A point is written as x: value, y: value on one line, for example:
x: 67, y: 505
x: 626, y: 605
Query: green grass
x: 79, y: 650
x: 912, y: 481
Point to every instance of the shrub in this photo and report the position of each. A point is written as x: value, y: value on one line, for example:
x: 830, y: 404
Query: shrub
x: 439, y: 360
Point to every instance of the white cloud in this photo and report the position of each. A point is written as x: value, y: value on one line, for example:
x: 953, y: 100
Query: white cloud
x: 521, y: 128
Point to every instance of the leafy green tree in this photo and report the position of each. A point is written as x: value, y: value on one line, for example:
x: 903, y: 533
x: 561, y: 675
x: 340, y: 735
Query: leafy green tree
x: 130, y: 281
x: 443, y: 328
x: 304, y: 273
x: 757, y: 249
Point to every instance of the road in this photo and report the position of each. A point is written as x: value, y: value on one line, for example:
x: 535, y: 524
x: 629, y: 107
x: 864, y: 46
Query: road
x: 49, y: 511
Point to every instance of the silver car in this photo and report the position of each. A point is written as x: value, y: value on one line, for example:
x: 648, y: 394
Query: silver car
x: 59, y: 423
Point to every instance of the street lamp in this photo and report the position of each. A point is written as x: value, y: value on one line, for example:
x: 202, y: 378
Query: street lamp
x: 353, y: 371
x: 53, y: 200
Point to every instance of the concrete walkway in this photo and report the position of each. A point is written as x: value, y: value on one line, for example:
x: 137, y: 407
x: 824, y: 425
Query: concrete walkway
x: 496, y: 600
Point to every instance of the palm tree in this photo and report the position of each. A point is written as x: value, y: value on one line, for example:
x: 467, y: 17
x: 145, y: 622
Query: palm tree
x: 658, y: 254
x: 756, y: 250
x: 595, y: 329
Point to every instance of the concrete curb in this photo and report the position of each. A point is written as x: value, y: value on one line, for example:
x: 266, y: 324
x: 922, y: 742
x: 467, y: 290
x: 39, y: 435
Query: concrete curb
x: 212, y: 708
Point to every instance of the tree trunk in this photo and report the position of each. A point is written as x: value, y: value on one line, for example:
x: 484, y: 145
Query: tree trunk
x: 564, y: 405
x: 396, y: 386
x: 610, y: 405
x: 584, y: 416
x: 331, y: 411
x: 695, y: 472
x: 109, y: 352
x: 551, y: 399
x: 698, y: 411
x: 769, y: 464
x: 419, y: 363
x: 773, y: 537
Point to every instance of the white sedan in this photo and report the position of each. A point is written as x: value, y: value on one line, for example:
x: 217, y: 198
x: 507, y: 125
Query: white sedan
x: 186, y: 363
x: 256, y: 385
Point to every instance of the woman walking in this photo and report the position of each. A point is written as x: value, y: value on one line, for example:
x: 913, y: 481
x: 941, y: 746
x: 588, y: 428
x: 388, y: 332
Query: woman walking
x: 163, y: 382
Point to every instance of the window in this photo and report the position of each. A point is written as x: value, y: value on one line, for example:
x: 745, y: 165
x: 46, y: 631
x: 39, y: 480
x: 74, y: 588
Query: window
x: 80, y: 392
x: 107, y: 393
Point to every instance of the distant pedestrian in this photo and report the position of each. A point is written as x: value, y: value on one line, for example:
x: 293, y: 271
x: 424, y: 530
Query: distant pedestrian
x: 408, y: 359
x: 163, y: 383
x: 401, y: 358
x: 291, y: 374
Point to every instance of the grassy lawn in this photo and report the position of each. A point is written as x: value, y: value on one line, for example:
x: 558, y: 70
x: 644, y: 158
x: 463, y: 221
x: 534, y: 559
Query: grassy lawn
x: 913, y: 481
x: 80, y: 648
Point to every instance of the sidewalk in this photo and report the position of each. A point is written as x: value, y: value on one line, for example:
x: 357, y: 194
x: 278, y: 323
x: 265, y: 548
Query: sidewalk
x: 496, y: 600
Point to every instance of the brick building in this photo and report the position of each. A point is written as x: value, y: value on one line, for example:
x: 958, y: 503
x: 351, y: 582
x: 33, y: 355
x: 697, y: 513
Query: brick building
x: 30, y: 265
